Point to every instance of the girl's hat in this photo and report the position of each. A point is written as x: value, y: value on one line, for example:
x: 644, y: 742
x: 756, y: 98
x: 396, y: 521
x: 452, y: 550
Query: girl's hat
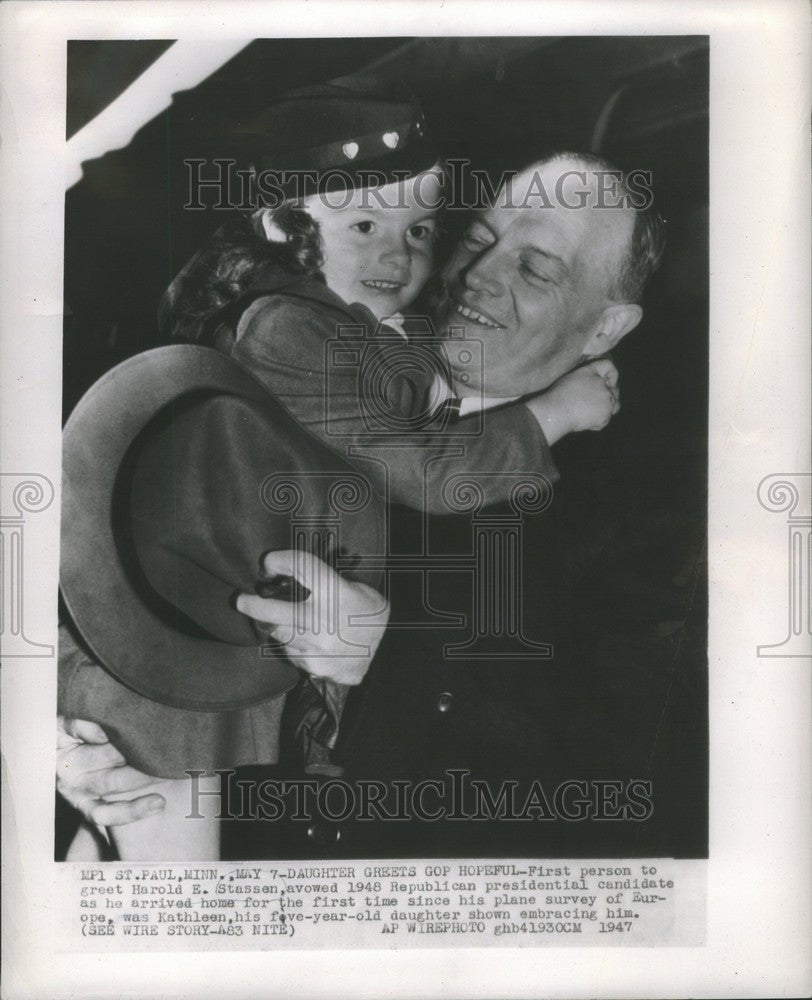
x: 341, y: 131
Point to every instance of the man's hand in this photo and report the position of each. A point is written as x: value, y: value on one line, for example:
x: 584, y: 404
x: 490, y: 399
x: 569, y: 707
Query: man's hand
x: 318, y: 634
x: 584, y: 400
x: 89, y: 769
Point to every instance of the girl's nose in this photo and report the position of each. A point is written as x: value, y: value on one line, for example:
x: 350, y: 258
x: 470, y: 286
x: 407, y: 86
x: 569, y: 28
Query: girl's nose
x: 395, y: 252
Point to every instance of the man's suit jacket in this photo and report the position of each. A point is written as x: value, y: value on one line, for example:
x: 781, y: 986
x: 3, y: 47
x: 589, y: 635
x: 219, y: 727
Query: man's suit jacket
x: 622, y: 698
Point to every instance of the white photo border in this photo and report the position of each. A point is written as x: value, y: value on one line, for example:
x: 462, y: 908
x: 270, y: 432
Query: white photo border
x: 758, y: 909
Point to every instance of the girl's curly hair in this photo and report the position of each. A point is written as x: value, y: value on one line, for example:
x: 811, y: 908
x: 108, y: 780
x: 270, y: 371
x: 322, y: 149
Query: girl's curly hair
x: 228, y: 265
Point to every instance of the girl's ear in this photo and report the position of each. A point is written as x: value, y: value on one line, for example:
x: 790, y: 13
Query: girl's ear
x: 271, y: 230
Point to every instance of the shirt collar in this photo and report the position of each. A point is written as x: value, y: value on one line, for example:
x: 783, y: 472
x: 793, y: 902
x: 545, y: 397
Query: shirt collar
x: 440, y: 391
x: 395, y: 322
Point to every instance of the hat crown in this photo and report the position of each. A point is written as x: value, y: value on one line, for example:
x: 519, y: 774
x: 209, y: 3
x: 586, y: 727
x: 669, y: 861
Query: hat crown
x: 347, y: 122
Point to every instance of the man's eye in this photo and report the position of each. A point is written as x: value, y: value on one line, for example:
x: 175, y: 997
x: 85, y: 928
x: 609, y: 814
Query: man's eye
x: 475, y: 240
x: 534, y: 276
x: 365, y: 227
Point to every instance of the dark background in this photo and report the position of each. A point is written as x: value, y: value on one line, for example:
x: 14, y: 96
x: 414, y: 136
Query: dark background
x: 629, y: 696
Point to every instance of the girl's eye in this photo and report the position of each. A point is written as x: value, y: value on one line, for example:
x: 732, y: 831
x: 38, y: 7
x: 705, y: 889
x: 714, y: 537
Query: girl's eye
x: 364, y: 227
x: 421, y: 232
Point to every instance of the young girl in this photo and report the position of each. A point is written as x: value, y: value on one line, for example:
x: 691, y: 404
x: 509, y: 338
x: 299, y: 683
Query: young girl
x: 279, y: 291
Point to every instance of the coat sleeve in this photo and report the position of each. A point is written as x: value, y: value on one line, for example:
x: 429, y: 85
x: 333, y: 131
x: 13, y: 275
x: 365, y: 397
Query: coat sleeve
x: 286, y: 343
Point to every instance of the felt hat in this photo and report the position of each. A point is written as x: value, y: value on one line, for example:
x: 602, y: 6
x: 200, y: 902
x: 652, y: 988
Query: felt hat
x: 342, y: 131
x: 180, y: 470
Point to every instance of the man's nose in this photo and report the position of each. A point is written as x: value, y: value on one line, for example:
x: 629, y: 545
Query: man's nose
x: 482, y: 275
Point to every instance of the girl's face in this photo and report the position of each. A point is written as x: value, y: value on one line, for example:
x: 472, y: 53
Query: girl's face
x: 378, y: 243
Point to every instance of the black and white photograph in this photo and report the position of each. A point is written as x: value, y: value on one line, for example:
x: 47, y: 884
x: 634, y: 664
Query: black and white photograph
x: 526, y: 669
x: 382, y: 496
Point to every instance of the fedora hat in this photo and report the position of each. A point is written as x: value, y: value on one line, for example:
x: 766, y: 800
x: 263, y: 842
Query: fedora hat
x: 180, y: 470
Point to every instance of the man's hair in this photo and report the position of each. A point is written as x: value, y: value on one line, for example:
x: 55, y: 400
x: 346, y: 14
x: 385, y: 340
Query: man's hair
x: 647, y: 245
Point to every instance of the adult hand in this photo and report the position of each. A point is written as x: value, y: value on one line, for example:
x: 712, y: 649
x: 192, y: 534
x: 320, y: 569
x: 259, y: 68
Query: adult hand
x: 335, y: 632
x: 89, y: 769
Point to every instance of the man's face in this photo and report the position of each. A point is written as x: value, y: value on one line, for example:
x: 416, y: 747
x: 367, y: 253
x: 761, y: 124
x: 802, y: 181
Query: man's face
x: 532, y: 283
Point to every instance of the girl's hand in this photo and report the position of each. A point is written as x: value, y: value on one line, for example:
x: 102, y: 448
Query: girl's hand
x: 335, y: 632
x: 585, y: 399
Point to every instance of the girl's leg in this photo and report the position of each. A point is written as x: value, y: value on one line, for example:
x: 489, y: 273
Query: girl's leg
x: 186, y: 830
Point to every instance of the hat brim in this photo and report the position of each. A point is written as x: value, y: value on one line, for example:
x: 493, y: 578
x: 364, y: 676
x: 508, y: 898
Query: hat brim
x: 128, y: 637
x: 391, y: 168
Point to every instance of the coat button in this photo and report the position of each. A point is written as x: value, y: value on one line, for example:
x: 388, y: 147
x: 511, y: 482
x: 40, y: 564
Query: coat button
x: 445, y: 702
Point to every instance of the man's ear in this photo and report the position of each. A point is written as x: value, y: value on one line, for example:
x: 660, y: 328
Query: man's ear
x: 614, y: 323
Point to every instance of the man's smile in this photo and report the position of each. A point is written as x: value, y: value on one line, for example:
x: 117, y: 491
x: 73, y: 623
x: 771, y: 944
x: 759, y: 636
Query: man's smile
x: 474, y: 315
x: 477, y: 317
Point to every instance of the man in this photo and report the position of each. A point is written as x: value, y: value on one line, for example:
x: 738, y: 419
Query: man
x: 546, y: 279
